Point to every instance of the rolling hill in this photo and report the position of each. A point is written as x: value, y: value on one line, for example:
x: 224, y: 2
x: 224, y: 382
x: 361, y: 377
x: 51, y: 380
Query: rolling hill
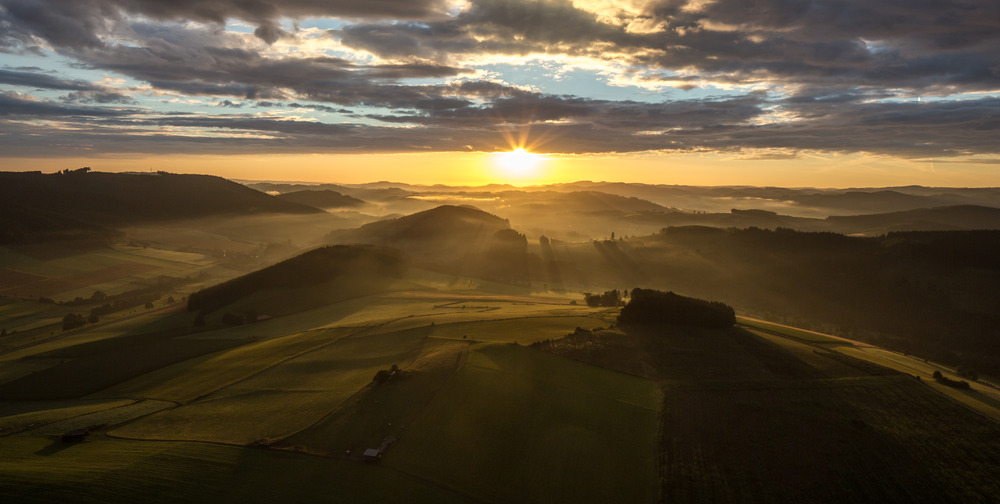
x: 322, y: 199
x: 37, y: 204
x: 454, y: 239
x: 354, y: 268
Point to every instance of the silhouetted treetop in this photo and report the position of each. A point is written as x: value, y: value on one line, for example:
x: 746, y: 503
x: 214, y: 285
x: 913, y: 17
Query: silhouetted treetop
x: 653, y: 307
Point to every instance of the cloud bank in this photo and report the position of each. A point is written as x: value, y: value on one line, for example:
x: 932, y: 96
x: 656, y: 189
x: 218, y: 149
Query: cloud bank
x: 913, y: 79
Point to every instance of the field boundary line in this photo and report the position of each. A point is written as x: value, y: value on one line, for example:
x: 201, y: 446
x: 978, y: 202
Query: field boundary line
x: 134, y: 402
x: 277, y: 363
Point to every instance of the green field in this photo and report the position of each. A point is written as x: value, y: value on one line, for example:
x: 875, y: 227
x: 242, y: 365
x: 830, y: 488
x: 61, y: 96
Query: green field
x: 792, y: 332
x: 109, y: 269
x: 518, y: 425
x: 200, y: 376
x: 283, y: 398
x: 100, y: 470
x: 879, y: 440
x: 383, y: 410
x: 280, y: 410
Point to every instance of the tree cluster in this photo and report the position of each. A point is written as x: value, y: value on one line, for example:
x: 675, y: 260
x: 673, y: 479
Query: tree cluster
x: 609, y: 298
x: 653, y: 307
x: 507, y: 259
x: 387, y: 375
x: 72, y: 321
x: 944, y: 380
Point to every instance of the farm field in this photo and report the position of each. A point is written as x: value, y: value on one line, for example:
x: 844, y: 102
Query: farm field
x: 731, y: 431
x: 37, y: 469
x: 981, y: 397
x: 699, y: 415
x: 791, y: 332
x: 282, y: 399
x: 537, y: 423
x: 850, y: 440
x: 111, y: 269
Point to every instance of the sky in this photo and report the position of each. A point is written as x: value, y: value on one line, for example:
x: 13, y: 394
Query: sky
x: 821, y: 93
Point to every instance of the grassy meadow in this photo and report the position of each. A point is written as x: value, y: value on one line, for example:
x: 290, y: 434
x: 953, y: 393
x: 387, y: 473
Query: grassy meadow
x: 167, y: 401
x: 492, y: 401
x: 518, y: 425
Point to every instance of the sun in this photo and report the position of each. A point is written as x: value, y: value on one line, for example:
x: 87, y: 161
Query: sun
x: 518, y: 164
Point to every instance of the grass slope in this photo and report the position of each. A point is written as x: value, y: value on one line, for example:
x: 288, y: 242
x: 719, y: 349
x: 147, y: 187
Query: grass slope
x: 282, y: 399
x: 518, y: 425
x: 101, y: 470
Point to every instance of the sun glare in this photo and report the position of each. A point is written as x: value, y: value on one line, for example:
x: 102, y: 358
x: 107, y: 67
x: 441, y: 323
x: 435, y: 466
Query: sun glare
x: 518, y: 164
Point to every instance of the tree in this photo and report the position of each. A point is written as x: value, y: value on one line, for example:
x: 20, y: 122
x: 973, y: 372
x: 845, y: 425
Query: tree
x: 382, y: 376
x: 72, y: 321
x: 611, y: 298
x: 149, y: 305
x: 93, y: 318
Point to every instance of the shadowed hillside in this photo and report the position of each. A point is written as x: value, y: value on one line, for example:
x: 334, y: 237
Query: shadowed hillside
x: 36, y: 203
x: 365, y: 266
x: 322, y: 199
x: 454, y: 239
x: 929, y: 293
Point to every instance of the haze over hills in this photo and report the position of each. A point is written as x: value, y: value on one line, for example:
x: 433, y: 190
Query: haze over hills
x: 322, y: 199
x: 908, y: 290
x: 804, y: 201
x: 506, y: 326
x: 589, y: 210
x: 235, y: 348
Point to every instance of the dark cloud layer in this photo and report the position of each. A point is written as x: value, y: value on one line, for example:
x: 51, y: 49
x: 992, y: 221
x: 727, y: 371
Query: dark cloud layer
x: 831, y: 75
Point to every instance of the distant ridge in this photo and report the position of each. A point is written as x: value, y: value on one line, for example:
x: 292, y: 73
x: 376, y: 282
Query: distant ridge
x: 456, y: 239
x: 322, y: 199
x: 37, y: 204
x: 958, y: 217
x: 446, y: 223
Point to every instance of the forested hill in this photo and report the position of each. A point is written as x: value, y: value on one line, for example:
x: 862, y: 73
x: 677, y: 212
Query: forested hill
x: 34, y: 203
x: 446, y: 225
x: 322, y: 199
x: 929, y: 293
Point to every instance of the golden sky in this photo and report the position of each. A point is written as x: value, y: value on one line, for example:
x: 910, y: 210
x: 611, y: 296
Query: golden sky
x: 480, y: 169
x: 832, y: 93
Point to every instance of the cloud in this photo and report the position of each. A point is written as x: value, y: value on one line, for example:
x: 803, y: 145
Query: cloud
x: 81, y: 23
x: 35, y: 79
x: 17, y: 105
x: 831, y: 75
